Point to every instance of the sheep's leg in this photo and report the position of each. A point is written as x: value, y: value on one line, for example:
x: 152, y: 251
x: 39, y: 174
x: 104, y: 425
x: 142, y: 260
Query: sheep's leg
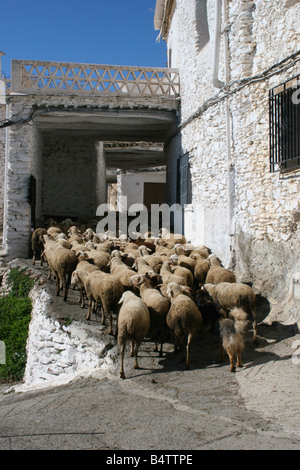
x: 109, y: 323
x: 88, y: 316
x: 66, y: 284
x: 33, y: 258
x: 187, y: 361
x: 136, y: 365
x: 57, y: 284
x: 131, y: 348
x: 122, y: 351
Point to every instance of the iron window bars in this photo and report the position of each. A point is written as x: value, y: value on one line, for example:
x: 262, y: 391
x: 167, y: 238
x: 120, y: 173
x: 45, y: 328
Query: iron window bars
x: 284, y: 104
x: 184, y: 185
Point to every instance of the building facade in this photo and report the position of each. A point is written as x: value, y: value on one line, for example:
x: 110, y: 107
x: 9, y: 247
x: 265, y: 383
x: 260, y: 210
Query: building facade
x: 234, y: 158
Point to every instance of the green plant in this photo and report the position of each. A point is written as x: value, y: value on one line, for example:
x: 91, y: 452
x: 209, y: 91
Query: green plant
x: 15, y: 315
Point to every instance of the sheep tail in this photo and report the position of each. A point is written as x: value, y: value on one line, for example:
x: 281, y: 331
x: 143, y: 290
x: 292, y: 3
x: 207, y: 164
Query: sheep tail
x: 240, y: 319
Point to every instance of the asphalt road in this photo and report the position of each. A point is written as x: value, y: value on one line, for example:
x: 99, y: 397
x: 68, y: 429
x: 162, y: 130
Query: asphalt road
x: 162, y: 407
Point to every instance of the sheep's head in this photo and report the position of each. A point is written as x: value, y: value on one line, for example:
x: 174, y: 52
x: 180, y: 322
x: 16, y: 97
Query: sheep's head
x: 137, y: 279
x: 208, y: 289
x: 174, y: 259
x: 173, y: 290
x: 179, y: 249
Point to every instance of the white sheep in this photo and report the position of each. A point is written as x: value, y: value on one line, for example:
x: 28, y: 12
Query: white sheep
x: 133, y: 325
x: 167, y: 275
x: 102, y: 288
x: 184, y: 319
x: 62, y: 262
x: 158, y: 306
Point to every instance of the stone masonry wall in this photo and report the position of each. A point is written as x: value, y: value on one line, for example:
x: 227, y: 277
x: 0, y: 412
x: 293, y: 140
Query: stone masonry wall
x: 2, y: 166
x: 245, y: 214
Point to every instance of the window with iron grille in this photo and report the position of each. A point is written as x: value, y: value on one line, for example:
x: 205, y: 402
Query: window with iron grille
x: 184, y: 182
x: 285, y: 126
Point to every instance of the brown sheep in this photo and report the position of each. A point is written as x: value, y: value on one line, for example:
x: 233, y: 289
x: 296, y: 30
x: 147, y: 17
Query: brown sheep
x: 184, y: 319
x: 234, y: 295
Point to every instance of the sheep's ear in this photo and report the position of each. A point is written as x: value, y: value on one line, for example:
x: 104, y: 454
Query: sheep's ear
x: 121, y: 299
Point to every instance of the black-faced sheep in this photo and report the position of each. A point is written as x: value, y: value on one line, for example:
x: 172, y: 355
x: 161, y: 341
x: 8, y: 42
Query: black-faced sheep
x: 133, y: 325
x: 158, y: 306
x: 230, y: 295
x: 184, y: 319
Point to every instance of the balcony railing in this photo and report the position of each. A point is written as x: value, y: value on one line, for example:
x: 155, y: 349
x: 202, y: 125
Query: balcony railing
x: 81, y: 79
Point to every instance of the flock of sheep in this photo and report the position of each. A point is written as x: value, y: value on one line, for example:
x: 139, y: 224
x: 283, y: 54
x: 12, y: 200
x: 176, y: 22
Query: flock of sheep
x: 152, y: 286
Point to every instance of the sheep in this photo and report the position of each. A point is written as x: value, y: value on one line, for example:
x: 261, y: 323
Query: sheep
x: 102, y: 288
x: 183, y: 260
x: 202, y: 251
x: 84, y: 265
x: 53, y: 231
x: 133, y: 325
x: 154, y: 260
x: 217, y: 274
x: 37, y: 244
x: 143, y: 267
x: 158, y: 306
x: 180, y: 270
x: 122, y: 272
x: 62, y: 262
x: 230, y: 295
x: 183, y: 318
x: 232, y: 336
x: 100, y: 259
x: 167, y: 276
x: 165, y: 234
x: 202, y: 267
x: 210, y: 311
x: 63, y: 240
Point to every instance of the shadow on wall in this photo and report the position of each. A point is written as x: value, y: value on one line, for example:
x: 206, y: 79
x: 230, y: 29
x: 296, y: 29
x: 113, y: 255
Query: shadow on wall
x: 201, y: 24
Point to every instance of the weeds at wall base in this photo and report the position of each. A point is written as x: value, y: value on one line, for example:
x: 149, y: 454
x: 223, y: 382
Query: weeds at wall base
x: 15, y: 315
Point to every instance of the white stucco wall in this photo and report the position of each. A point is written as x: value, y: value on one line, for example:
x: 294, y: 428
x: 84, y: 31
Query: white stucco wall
x: 245, y: 214
x: 131, y: 186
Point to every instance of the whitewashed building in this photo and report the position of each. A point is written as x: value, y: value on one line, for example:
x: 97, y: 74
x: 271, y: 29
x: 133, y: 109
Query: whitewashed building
x: 234, y: 157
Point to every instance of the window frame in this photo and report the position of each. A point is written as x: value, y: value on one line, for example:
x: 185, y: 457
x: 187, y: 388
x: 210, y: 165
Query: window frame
x: 284, y: 126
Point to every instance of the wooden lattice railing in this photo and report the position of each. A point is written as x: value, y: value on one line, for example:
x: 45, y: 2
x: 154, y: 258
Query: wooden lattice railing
x: 71, y: 78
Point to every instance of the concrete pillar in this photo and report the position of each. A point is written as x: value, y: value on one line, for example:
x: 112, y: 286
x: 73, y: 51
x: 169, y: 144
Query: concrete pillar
x: 23, y: 142
x: 101, y: 189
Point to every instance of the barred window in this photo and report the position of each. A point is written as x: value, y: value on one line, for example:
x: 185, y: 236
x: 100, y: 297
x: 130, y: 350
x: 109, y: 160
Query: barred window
x: 285, y: 126
x: 184, y: 184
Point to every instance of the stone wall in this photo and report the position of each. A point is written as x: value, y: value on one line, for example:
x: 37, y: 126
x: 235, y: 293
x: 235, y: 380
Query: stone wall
x: 245, y: 214
x: 73, y: 177
x: 2, y: 166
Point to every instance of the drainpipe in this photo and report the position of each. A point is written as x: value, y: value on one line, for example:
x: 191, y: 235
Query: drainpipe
x: 218, y: 84
x: 216, y: 54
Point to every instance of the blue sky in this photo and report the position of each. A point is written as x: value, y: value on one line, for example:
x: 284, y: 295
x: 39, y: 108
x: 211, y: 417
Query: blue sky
x: 116, y: 32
